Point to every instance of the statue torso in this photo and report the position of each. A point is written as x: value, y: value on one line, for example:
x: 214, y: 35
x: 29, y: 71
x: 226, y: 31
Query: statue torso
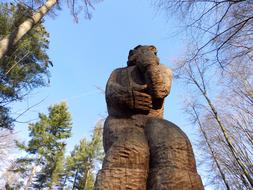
x: 130, y: 77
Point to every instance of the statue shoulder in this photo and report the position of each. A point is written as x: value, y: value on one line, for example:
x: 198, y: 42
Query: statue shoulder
x: 166, y: 71
x: 117, y: 72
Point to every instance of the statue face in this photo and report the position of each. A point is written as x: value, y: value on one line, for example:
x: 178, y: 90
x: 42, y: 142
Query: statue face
x: 139, y: 51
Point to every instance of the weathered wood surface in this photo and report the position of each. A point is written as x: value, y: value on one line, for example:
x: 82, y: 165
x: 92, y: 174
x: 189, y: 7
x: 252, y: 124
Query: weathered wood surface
x: 172, y: 163
x: 143, y: 151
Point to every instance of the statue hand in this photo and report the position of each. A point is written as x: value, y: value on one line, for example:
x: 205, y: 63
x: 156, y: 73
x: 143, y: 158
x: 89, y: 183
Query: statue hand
x: 139, y: 87
x: 142, y: 101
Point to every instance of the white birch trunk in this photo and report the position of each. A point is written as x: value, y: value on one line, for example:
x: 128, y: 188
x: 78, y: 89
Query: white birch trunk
x: 16, y: 35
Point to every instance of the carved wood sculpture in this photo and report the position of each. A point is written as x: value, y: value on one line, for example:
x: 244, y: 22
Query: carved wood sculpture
x: 143, y: 151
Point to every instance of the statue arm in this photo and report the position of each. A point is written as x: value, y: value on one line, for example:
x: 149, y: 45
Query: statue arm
x: 159, y: 79
x: 166, y: 75
x: 116, y: 94
x: 125, y: 97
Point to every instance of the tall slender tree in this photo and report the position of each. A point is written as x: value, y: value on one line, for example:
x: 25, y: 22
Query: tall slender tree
x: 26, y: 65
x: 31, y: 20
x: 46, y: 148
x: 82, y: 162
x: 223, y: 119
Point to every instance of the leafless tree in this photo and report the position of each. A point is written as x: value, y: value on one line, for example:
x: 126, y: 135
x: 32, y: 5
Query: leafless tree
x: 218, y: 68
x: 222, y: 28
x: 7, y: 150
x: 220, y: 106
x: 10, y: 179
x: 7, y: 146
x: 206, y: 144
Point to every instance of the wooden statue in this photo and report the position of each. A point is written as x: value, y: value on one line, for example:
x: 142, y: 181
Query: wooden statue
x: 142, y: 150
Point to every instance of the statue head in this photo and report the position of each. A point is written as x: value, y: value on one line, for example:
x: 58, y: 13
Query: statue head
x: 142, y: 53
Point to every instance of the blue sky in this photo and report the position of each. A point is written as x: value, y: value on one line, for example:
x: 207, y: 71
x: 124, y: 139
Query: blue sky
x: 85, y: 54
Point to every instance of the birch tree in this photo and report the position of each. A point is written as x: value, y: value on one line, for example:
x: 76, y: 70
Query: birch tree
x: 7, y: 147
x: 10, y: 40
x: 220, y: 106
x: 27, y: 65
x: 222, y: 28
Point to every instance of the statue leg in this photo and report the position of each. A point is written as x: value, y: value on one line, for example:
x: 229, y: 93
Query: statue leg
x: 125, y: 166
x: 172, y: 162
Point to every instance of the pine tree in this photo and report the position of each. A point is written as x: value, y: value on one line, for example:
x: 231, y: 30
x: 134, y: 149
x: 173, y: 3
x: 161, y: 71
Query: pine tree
x: 46, y: 147
x: 81, y: 164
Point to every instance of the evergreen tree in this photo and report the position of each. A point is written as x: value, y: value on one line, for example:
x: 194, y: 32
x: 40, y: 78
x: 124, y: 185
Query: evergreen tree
x: 38, y: 10
x: 25, y: 67
x: 46, y: 148
x: 81, y: 164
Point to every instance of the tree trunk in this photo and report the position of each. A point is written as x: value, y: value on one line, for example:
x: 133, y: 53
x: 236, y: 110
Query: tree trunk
x: 86, y: 173
x: 29, y: 181
x: 64, y: 183
x: 14, y: 37
x: 211, y: 150
x: 225, y: 134
x: 74, y: 183
x: 230, y: 144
